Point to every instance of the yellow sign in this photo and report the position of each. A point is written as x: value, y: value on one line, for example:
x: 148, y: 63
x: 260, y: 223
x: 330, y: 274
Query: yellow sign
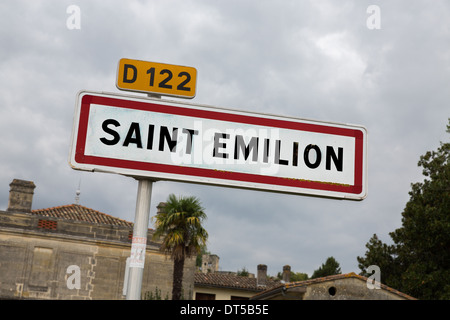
x: 157, y: 78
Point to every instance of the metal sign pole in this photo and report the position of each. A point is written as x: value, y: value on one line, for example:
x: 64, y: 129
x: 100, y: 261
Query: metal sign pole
x: 139, y: 241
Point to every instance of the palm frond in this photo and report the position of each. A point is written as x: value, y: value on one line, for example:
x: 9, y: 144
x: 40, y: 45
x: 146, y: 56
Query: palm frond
x: 180, y: 225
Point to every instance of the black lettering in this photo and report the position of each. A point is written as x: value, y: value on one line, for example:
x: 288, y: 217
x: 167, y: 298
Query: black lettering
x: 133, y: 136
x: 151, y: 72
x: 181, y: 86
x: 295, y: 154
x: 266, y: 151
x: 125, y: 73
x: 240, y: 145
x: 190, y: 133
x: 277, y: 154
x: 338, y: 160
x: 306, y: 156
x: 116, y: 136
x: 151, y: 130
x: 171, y: 141
x: 218, y: 144
x: 163, y: 84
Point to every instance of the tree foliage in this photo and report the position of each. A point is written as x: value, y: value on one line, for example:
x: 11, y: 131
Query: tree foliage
x: 383, y: 256
x: 294, y: 276
x: 329, y: 268
x: 298, y: 276
x: 419, y: 261
x: 243, y: 272
x: 179, y: 224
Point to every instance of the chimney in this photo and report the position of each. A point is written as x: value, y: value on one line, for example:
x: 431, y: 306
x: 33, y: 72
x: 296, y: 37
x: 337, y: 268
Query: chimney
x: 286, y: 274
x: 261, y: 278
x: 210, y: 263
x: 20, y: 195
x: 160, y: 207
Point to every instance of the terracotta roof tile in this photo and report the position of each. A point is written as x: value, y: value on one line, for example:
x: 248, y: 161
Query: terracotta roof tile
x: 305, y: 283
x: 227, y: 280
x: 76, y: 212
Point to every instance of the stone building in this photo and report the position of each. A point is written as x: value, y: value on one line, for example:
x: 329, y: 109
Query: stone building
x: 210, y: 263
x: 348, y: 286
x: 223, y: 285
x: 73, y: 252
x: 220, y: 285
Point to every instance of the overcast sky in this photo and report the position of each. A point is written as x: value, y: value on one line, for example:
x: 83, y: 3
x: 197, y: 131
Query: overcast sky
x: 321, y: 60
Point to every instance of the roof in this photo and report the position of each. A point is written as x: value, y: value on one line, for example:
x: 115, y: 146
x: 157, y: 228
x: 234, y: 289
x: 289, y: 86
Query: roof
x: 231, y: 281
x: 305, y: 283
x: 76, y: 212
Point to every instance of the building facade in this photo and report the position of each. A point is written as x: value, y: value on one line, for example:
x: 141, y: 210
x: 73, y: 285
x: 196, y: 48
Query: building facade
x: 74, y: 252
x: 348, y: 286
x: 212, y: 284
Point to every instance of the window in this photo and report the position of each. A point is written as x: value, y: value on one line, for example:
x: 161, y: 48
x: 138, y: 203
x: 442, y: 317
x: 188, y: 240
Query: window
x: 239, y: 298
x: 332, y: 291
x: 205, y: 296
x: 41, y: 268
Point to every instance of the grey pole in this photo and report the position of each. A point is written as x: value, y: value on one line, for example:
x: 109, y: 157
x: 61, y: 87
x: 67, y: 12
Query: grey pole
x: 139, y: 242
x: 140, y: 230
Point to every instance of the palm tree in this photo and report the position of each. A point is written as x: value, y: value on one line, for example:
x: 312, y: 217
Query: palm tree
x: 179, y: 223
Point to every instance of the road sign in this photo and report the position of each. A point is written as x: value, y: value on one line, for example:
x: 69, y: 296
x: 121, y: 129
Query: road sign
x: 169, y: 140
x: 157, y: 78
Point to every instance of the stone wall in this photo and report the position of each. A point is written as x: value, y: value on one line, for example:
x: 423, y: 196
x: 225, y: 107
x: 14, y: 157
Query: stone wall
x: 347, y: 289
x: 42, y: 263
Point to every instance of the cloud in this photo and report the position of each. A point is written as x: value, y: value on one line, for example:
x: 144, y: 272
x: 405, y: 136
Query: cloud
x: 306, y: 59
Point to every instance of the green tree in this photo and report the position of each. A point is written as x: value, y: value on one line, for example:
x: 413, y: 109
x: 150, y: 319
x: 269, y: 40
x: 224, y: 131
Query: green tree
x: 419, y: 261
x: 179, y: 224
x: 423, y: 241
x: 329, y: 268
x: 294, y: 276
x: 383, y: 256
x: 298, y: 276
x: 243, y: 272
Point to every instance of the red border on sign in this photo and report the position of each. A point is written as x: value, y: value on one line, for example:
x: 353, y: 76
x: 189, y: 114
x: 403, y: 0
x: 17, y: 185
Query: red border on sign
x: 89, y: 99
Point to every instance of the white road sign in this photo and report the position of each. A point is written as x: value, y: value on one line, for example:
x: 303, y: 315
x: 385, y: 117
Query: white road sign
x: 178, y: 141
